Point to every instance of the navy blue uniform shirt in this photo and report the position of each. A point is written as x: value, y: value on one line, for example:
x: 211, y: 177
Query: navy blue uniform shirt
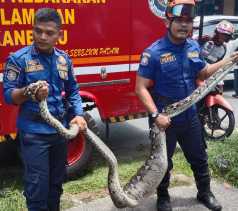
x: 174, y: 69
x: 27, y: 66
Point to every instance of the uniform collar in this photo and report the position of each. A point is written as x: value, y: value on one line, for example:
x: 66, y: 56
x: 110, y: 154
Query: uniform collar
x: 169, y: 43
x: 35, y: 52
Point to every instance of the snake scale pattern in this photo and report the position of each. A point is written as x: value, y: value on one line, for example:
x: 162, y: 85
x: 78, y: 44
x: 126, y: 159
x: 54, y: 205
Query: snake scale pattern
x: 149, y: 176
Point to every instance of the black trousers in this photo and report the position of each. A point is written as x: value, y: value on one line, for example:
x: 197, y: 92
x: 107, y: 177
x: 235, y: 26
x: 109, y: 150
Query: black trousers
x: 44, y: 158
x: 190, y: 138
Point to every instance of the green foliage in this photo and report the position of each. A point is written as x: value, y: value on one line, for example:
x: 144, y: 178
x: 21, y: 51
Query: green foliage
x: 181, y: 166
x: 96, y: 178
x: 223, y: 159
x: 11, y: 198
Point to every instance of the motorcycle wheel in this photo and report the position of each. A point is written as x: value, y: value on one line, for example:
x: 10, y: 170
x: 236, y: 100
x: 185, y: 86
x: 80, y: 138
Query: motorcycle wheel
x: 218, y: 123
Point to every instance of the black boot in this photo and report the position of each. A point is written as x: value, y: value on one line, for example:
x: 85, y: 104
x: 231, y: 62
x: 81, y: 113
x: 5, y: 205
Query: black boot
x: 209, y: 201
x: 206, y: 197
x: 163, y: 201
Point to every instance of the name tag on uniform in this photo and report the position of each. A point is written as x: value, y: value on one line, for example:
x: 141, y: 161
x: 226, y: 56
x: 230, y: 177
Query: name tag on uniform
x: 167, y: 58
x: 62, y: 67
x: 34, y: 66
x: 193, y: 54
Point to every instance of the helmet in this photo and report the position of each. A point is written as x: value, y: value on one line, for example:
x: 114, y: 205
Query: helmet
x: 225, y: 27
x: 180, y: 8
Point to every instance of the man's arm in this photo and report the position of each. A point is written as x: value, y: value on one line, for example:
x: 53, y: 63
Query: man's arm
x: 18, y: 96
x: 141, y: 89
x: 72, y: 95
x: 72, y: 92
x: 12, y: 80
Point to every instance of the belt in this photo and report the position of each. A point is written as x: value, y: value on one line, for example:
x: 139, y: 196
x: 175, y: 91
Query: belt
x: 162, y: 99
x: 165, y: 100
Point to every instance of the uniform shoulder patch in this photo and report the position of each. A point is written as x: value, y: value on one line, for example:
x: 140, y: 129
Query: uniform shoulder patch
x: 62, y: 60
x: 62, y: 67
x: 145, y: 59
x: 12, y: 72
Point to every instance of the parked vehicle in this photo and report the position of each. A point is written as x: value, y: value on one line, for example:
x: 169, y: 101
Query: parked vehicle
x: 216, y: 115
x: 104, y: 39
x: 209, y: 25
x: 215, y: 112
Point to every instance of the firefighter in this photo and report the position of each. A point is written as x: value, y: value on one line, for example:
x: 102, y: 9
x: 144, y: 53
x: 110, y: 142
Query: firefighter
x: 167, y: 73
x: 214, y: 49
x: 42, y: 149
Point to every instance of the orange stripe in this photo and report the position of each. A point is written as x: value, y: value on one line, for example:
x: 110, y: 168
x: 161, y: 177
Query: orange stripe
x: 1, y: 66
x: 135, y: 58
x: 105, y: 59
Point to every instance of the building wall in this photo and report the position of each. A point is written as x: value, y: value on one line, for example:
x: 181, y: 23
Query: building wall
x: 229, y: 7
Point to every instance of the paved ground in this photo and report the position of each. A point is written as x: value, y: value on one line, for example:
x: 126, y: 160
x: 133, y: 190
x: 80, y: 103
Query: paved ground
x: 183, y: 199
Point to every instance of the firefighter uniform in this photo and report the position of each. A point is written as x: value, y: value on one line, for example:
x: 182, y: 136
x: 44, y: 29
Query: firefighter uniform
x: 174, y: 73
x: 43, y: 151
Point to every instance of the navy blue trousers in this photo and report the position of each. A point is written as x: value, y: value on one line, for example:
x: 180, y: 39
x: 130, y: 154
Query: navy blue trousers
x: 191, y: 140
x: 44, y: 158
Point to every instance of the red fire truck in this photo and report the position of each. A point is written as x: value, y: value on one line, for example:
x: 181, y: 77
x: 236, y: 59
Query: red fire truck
x: 104, y: 38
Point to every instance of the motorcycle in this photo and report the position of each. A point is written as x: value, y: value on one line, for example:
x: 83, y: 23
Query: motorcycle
x: 215, y: 112
x: 216, y: 115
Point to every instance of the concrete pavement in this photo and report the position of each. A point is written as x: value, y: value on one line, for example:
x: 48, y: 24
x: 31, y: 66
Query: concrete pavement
x: 183, y: 199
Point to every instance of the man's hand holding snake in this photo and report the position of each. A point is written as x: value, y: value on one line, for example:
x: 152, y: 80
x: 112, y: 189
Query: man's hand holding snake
x: 80, y: 121
x: 43, y: 91
x: 162, y: 121
x: 234, y: 57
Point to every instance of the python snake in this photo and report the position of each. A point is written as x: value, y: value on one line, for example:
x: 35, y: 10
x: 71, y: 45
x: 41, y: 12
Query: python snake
x: 149, y: 176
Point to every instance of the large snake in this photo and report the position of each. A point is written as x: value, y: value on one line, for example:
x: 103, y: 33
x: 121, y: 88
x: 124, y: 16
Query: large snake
x: 149, y: 176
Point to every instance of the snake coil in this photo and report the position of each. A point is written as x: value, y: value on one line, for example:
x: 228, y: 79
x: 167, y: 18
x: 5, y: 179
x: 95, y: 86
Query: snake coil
x: 149, y: 176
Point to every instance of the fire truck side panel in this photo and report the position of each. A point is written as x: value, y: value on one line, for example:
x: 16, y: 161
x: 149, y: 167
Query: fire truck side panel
x: 106, y: 76
x: 146, y: 27
x: 120, y: 99
x: 104, y: 39
x: 7, y: 116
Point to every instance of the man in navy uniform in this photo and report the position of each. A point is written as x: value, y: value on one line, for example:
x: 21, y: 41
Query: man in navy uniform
x: 167, y: 73
x: 42, y: 149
